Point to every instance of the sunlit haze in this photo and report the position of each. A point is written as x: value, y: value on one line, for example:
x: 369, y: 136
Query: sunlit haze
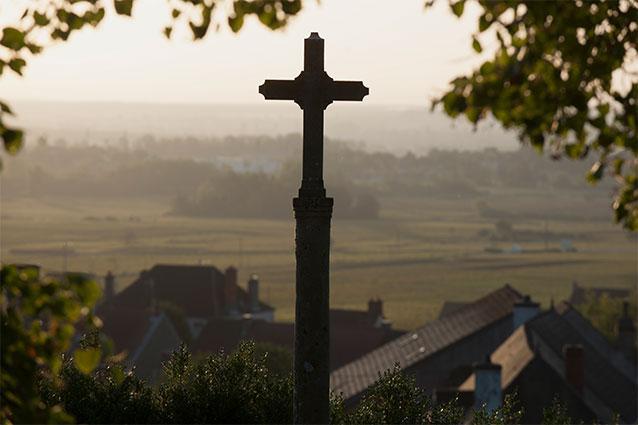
x: 404, y: 53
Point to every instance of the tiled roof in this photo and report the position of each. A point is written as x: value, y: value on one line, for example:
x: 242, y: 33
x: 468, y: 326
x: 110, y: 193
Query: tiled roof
x: 596, y: 339
x: 196, y: 290
x: 601, y: 377
x: 513, y: 356
x: 417, y: 346
x: 450, y: 307
x: 545, y: 336
x: 125, y: 326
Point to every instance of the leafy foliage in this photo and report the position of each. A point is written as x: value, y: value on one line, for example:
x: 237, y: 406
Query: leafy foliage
x: 38, y: 323
x: 108, y: 395
x: 393, y: 399
x: 233, y: 388
x: 556, y: 414
x: 510, y: 413
x: 561, y: 76
x: 240, y: 388
x: 604, y: 312
x: 277, y: 359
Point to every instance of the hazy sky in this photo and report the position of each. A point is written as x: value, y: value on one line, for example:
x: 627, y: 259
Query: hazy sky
x: 405, y: 54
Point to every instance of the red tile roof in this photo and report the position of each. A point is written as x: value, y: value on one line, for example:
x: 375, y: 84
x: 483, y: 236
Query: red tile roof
x: 125, y: 326
x: 198, y: 291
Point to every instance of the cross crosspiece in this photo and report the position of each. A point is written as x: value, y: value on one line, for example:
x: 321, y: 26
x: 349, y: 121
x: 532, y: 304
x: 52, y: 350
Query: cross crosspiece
x: 313, y: 90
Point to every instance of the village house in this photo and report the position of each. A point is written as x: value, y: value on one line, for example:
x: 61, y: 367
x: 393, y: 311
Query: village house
x: 557, y: 354
x: 218, y: 314
x: 352, y: 333
x: 146, y: 339
x: 440, y: 353
x: 143, y: 319
x: 198, y: 292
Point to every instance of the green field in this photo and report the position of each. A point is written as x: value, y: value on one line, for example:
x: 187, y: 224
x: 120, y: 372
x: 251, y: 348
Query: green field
x: 419, y: 254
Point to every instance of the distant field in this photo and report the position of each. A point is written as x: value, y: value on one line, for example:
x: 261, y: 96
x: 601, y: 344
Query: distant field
x: 419, y: 254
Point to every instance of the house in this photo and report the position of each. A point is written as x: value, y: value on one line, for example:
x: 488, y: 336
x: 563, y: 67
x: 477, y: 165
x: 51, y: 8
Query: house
x: 441, y: 352
x: 145, y: 319
x: 579, y: 293
x: 352, y: 333
x: 558, y: 353
x: 145, y: 338
x: 198, y: 292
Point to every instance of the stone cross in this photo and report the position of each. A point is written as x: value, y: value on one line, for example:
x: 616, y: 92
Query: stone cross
x: 313, y: 90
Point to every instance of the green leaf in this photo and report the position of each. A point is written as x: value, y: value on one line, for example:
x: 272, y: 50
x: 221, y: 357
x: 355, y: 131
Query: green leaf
x: 34, y: 48
x: 484, y: 23
x: 236, y: 22
x: 95, y: 18
x: 117, y: 374
x: 291, y: 7
x: 41, y: 19
x: 87, y: 359
x: 12, y: 38
x: 5, y: 108
x: 123, y: 7
x: 476, y: 45
x: 75, y: 22
x: 88, y: 291
x: 16, y: 65
x: 457, y: 8
x: 603, y: 109
x: 13, y: 140
x: 199, y: 31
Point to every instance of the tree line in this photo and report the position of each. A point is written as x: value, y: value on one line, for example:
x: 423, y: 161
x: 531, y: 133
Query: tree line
x: 257, y: 176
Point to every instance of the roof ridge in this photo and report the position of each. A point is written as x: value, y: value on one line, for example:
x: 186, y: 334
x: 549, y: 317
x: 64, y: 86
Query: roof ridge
x: 473, y: 304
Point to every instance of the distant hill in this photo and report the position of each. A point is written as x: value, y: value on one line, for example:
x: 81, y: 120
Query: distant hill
x: 394, y: 129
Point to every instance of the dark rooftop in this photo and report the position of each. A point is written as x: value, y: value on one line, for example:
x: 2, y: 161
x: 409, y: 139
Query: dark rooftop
x: 418, y: 345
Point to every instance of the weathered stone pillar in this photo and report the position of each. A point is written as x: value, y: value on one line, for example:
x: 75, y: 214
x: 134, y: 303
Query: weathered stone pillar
x: 313, y: 90
x: 312, y: 324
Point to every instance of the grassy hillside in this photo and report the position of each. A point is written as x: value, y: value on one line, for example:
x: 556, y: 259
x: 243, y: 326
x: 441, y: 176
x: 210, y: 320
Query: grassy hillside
x: 419, y: 254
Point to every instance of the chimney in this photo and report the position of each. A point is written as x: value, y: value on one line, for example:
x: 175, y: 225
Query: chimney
x: 109, y: 286
x: 626, y: 342
x: 230, y: 289
x: 149, y: 283
x: 253, y: 293
x: 524, y: 310
x: 487, y: 385
x: 575, y: 366
x: 375, y: 309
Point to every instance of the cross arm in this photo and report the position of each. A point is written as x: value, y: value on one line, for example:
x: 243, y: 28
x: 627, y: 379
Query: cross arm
x: 348, y: 90
x: 279, y: 89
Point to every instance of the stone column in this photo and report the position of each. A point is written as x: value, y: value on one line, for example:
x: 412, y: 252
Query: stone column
x: 312, y: 324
